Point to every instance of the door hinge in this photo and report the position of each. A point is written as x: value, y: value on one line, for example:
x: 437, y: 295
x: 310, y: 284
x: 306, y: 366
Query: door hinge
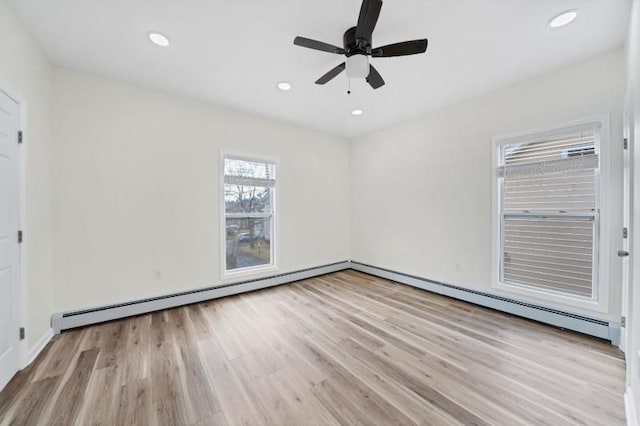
x: 623, y: 322
x: 22, y: 333
x: 625, y: 143
x: 19, y: 237
x: 20, y: 136
x: 625, y: 232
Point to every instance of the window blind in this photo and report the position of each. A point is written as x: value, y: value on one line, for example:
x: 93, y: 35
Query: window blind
x: 549, y: 211
x: 549, y: 253
x: 249, y: 173
x: 571, y: 190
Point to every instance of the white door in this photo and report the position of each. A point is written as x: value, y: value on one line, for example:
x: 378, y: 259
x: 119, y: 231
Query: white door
x: 627, y: 224
x: 9, y: 249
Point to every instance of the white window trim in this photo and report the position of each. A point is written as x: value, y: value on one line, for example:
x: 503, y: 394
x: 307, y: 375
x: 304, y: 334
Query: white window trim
x: 252, y: 270
x: 600, y: 301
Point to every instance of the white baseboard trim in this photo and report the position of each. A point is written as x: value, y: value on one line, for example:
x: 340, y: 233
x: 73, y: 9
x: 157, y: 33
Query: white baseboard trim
x: 631, y: 408
x: 66, y: 320
x: 593, y: 327
x: 38, y: 347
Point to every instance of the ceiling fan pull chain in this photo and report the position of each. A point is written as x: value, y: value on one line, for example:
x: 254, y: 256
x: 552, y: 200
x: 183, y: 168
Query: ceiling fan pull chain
x: 348, y: 86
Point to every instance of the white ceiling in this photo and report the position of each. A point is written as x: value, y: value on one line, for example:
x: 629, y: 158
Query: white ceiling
x: 234, y: 52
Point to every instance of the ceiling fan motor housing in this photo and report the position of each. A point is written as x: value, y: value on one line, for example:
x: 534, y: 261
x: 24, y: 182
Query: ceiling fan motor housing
x: 355, y: 46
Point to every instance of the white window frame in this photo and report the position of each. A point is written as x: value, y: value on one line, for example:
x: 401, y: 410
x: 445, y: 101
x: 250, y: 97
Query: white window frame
x: 258, y: 269
x: 600, y: 300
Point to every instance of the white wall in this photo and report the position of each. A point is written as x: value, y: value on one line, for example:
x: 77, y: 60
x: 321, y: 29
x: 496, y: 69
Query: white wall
x: 633, y: 320
x: 422, y: 189
x: 25, y: 75
x: 136, y: 188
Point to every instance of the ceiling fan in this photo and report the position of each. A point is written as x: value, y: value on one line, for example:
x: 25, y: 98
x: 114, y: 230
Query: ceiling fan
x: 357, y: 47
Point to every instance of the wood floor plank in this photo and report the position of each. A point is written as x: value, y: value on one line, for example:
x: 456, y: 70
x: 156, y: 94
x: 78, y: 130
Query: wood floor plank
x: 136, y: 360
x: 235, y: 404
x: 113, y: 345
x: 17, y: 389
x: 294, y: 390
x: 30, y: 409
x: 267, y: 400
x: 167, y: 399
x: 353, y: 386
x: 60, y: 355
x: 200, y: 399
x: 66, y: 407
x: 341, y: 349
x: 135, y: 403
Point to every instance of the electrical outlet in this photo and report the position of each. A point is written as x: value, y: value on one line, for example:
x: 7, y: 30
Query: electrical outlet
x: 457, y: 267
x: 157, y: 274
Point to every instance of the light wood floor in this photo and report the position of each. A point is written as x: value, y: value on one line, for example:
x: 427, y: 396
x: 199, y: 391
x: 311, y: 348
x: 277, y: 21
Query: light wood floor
x: 344, y: 348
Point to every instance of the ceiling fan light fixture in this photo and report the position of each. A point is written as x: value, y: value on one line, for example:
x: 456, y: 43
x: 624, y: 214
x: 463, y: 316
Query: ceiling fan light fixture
x: 284, y: 86
x: 357, y: 66
x: 357, y: 112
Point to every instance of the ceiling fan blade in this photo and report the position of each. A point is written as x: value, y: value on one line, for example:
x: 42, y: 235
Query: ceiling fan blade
x: 401, y: 49
x: 317, y: 45
x: 331, y: 74
x: 374, y: 79
x: 369, y: 12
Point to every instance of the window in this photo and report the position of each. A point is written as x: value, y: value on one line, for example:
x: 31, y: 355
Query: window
x: 248, y: 223
x: 549, y: 211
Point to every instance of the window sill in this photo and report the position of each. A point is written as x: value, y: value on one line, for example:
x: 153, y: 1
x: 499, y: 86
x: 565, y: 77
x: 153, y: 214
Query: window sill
x: 561, y: 301
x: 247, y: 272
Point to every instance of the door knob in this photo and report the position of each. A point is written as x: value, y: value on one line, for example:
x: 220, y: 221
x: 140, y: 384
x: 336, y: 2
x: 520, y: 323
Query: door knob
x: 623, y: 253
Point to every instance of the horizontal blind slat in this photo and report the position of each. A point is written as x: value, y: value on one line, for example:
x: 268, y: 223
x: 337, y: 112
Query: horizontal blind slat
x: 548, y: 279
x: 549, y: 166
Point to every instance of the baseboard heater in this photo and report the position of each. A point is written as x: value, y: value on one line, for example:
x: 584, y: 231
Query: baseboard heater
x: 602, y: 329
x: 73, y: 319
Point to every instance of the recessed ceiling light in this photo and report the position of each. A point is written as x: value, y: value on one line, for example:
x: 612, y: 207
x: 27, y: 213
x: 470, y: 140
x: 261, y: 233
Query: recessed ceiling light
x: 357, y: 112
x: 159, y: 39
x: 563, y: 18
x: 284, y: 86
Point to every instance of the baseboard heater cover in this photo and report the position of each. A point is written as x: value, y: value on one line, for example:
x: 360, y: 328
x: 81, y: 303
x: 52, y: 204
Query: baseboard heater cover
x: 602, y: 329
x: 67, y: 320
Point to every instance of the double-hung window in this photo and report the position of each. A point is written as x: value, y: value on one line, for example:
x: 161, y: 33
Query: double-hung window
x: 549, y: 211
x: 249, y: 213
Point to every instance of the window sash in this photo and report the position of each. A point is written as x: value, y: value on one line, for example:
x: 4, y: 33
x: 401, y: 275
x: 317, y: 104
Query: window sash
x: 553, y: 181
x: 264, y: 176
x: 554, y: 253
